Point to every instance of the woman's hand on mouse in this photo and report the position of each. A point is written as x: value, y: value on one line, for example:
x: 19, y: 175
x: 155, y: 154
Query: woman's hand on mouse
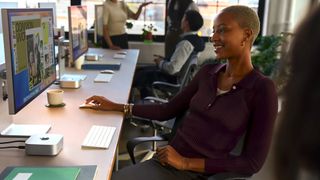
x: 102, y: 103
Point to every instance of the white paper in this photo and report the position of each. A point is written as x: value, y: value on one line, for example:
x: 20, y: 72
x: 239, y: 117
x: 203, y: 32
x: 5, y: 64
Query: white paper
x: 22, y: 176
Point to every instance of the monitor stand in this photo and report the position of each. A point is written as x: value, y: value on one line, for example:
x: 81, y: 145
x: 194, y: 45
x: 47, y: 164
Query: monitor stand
x: 67, y: 77
x: 25, y: 130
x: 7, y: 128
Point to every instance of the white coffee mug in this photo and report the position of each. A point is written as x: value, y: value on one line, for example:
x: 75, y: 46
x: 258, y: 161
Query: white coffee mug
x: 55, y: 96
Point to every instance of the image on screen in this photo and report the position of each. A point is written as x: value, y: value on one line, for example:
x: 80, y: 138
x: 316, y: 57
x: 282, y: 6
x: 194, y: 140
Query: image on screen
x: 30, y: 62
x: 78, y: 35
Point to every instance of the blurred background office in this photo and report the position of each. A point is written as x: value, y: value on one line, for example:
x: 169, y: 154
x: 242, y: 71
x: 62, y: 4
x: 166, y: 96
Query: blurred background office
x: 278, y: 21
x: 276, y: 17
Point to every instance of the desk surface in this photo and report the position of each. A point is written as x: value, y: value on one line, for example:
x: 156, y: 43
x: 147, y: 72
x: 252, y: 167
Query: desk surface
x: 74, y: 123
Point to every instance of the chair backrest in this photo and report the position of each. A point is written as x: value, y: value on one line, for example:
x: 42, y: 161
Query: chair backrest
x: 188, y: 70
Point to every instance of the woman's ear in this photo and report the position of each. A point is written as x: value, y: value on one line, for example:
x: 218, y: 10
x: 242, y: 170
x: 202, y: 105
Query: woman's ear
x: 248, y: 34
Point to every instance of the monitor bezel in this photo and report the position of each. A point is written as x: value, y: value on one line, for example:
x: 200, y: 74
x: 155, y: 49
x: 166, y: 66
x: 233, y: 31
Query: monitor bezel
x: 8, y: 57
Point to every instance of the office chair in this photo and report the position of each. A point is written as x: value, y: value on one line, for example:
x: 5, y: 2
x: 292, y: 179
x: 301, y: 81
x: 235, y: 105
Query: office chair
x: 131, y: 144
x: 186, y: 74
x: 167, y: 90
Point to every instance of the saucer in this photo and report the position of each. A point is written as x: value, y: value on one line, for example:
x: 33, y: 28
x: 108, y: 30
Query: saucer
x: 55, y: 106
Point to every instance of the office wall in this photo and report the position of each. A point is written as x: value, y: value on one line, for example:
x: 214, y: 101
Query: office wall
x: 280, y: 16
x: 284, y: 15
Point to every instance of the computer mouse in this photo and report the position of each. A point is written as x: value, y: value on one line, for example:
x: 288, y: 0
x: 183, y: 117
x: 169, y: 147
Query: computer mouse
x: 87, y: 105
x: 107, y: 71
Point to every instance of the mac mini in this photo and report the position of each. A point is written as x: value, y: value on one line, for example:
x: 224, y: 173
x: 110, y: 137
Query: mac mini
x: 92, y: 57
x: 70, y: 83
x: 44, y: 144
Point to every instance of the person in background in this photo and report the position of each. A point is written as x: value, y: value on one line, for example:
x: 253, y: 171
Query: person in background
x: 115, y: 15
x: 297, y: 147
x: 224, y: 102
x: 175, y: 11
x: 169, y: 69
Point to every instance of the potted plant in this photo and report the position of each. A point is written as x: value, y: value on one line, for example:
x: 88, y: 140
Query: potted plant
x: 266, y: 54
x: 147, y: 33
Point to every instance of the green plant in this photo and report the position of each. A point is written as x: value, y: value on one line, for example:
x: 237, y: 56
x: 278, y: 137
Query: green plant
x: 266, y: 55
x: 129, y: 25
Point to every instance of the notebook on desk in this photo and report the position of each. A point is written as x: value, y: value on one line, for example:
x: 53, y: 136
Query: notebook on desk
x: 102, y: 64
x: 86, y: 172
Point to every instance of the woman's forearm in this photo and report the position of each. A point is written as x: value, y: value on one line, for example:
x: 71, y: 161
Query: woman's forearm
x: 194, y: 164
x: 137, y: 14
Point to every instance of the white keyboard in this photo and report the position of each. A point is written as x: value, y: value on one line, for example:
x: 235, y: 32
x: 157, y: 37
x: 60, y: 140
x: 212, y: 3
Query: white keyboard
x: 103, y: 78
x: 99, y: 137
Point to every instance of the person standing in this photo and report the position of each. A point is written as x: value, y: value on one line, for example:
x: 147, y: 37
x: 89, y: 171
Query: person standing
x: 115, y: 15
x: 175, y: 11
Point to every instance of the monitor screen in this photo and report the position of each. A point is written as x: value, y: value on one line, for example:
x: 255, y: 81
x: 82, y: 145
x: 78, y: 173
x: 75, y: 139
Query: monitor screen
x: 78, y: 36
x: 29, y: 54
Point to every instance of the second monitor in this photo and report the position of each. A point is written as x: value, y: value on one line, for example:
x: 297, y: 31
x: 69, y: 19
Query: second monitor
x: 78, y: 35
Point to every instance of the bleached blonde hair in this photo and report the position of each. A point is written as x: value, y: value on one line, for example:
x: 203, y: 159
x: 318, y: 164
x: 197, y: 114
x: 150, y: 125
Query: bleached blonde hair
x: 246, y: 17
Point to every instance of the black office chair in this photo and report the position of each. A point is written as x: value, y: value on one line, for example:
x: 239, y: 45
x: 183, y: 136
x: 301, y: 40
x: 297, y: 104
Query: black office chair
x: 131, y: 144
x: 186, y: 74
x: 165, y: 90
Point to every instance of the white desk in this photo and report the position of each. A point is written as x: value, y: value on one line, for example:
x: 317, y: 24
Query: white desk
x: 74, y: 123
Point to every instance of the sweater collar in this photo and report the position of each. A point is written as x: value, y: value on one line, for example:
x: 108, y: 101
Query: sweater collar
x: 246, y: 82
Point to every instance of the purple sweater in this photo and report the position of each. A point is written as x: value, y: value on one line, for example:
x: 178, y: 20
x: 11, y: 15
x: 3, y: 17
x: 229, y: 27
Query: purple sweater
x: 214, y: 123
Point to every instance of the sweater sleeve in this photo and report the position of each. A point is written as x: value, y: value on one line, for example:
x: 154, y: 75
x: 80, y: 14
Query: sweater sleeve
x: 178, y: 104
x: 258, y: 136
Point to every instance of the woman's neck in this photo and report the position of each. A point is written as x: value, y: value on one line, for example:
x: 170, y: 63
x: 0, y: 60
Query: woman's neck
x: 239, y: 67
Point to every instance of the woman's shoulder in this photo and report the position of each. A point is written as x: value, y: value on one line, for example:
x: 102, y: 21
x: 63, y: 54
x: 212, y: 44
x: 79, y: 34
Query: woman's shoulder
x: 210, y: 68
x: 263, y: 81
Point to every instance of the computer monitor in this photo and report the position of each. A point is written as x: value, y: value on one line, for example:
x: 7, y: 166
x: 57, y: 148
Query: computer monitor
x: 50, y: 5
x: 78, y: 36
x: 29, y: 54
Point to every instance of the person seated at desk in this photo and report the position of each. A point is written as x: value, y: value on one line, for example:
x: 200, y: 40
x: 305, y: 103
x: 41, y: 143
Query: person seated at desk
x: 223, y: 102
x: 115, y: 15
x: 167, y: 69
